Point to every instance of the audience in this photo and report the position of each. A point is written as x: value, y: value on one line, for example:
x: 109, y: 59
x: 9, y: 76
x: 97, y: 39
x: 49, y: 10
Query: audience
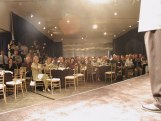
x: 3, y: 60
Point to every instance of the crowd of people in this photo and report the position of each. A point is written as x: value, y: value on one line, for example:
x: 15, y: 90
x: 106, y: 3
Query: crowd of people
x: 20, y: 55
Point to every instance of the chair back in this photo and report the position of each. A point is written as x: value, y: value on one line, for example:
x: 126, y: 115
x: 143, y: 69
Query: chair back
x: 113, y: 67
x: 16, y: 73
x: 76, y: 69
x: 22, y: 72
x: 48, y: 72
x: 91, y: 69
x: 2, y: 78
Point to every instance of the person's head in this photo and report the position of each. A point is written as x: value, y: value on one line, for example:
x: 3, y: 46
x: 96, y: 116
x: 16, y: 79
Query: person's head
x: 10, y: 61
x: 49, y: 60
x: 28, y: 59
x: 36, y: 59
x: 15, y: 52
x: 2, y: 52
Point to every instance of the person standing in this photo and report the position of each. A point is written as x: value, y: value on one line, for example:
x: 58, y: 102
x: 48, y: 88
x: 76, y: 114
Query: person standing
x: 150, y: 23
x: 3, y: 60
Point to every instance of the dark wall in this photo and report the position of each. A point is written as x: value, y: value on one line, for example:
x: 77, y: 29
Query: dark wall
x: 5, y: 38
x: 26, y: 33
x: 130, y: 43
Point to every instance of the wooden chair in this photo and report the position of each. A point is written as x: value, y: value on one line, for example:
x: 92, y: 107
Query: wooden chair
x: 15, y: 83
x: 80, y: 75
x: 91, y: 73
x: 22, y: 72
x: 71, y: 80
x: 54, y: 82
x: 2, y: 86
x: 39, y: 82
x: 112, y: 73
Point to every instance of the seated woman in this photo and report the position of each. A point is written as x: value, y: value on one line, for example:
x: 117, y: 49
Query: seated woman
x: 37, y: 68
x: 48, y: 64
x: 11, y: 65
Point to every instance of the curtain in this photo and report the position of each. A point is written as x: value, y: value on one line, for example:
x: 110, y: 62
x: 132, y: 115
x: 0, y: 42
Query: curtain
x: 26, y: 33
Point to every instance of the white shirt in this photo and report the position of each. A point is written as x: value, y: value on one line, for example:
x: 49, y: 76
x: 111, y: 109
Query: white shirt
x: 150, y: 15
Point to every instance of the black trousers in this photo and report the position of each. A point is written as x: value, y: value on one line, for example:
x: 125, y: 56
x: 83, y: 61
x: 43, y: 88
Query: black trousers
x: 153, y: 48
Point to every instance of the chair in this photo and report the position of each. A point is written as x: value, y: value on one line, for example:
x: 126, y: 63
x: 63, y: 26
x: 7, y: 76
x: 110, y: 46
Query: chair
x: 39, y: 82
x: 22, y: 72
x: 16, y: 82
x: 2, y: 86
x: 112, y: 73
x: 91, y: 72
x: 54, y: 82
x: 130, y: 72
x: 37, y: 79
x: 80, y: 76
x: 71, y: 80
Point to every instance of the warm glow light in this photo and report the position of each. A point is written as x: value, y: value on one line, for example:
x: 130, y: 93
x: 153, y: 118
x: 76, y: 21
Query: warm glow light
x: 105, y: 33
x: 98, y: 1
x: 115, y: 13
x: 31, y: 15
x: 68, y: 21
x: 82, y: 38
x: 44, y: 27
x: 130, y: 26
x: 114, y: 35
x: 123, y: 30
x: 39, y: 22
x: 95, y: 26
x: 55, y: 27
x: 51, y: 34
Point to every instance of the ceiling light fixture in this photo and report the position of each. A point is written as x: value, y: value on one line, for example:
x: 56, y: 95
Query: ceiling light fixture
x: 39, y: 22
x: 115, y: 13
x: 31, y: 15
x: 105, y: 33
x: 44, y: 27
x: 68, y: 21
x: 95, y: 26
x: 130, y: 26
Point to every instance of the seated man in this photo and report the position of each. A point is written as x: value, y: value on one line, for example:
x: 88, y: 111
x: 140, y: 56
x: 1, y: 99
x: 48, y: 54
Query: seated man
x: 27, y: 63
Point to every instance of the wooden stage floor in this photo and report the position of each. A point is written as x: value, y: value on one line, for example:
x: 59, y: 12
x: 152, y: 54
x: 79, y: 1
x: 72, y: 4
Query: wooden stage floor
x: 116, y: 102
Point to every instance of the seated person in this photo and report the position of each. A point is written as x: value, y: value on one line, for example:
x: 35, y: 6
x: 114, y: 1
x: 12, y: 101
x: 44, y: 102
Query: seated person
x: 48, y: 64
x: 27, y: 63
x: 11, y: 66
x: 36, y: 68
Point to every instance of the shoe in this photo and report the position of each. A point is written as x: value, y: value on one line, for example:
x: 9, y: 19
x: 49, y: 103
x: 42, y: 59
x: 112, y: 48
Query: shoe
x: 151, y: 107
x: 48, y: 90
